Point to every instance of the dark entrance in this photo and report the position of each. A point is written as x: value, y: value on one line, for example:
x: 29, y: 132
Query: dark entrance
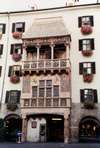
x: 89, y: 130
x: 54, y: 129
x: 12, y: 124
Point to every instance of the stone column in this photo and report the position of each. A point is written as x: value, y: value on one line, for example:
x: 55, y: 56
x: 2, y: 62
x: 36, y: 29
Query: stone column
x: 52, y: 51
x: 24, y: 128
x: 66, y: 128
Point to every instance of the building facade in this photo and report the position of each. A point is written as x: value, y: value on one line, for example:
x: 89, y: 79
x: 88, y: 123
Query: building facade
x: 49, y: 70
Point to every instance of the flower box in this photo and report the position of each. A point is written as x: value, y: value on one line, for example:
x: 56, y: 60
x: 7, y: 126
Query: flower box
x: 89, y: 104
x: 86, y: 29
x: 15, y: 79
x: 16, y: 57
x: 17, y: 35
x: 12, y: 106
x: 88, y: 77
x: 87, y: 53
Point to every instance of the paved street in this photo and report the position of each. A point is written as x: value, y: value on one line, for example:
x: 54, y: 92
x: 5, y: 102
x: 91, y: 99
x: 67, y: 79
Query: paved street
x: 48, y: 145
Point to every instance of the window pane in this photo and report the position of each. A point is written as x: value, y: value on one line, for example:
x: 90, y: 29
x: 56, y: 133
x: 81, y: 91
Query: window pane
x: 56, y: 102
x: 13, y: 96
x: 26, y: 102
x: 34, y: 91
x: 41, y: 92
x: 56, y: 91
x: 41, y: 83
x: 49, y: 83
x: 48, y: 92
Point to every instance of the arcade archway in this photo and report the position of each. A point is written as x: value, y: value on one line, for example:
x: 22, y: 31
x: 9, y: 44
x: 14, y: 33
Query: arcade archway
x: 89, y: 129
x: 12, y: 124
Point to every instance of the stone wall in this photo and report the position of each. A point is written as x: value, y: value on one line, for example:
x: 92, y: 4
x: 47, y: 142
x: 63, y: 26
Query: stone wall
x: 77, y: 113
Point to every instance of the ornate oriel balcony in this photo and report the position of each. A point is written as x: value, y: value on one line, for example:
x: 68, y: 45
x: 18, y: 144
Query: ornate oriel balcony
x: 56, y: 64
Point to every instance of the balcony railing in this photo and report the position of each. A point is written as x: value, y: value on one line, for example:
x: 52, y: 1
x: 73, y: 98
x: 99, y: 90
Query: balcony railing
x: 46, y: 64
x: 45, y: 102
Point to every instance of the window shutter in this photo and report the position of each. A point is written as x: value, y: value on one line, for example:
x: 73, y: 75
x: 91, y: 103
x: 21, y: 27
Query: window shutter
x: 7, y: 97
x: 82, y: 95
x: 10, y: 70
x: 91, y: 20
x: 4, y: 28
x: 79, y: 21
x: 13, y: 27
x: 92, y: 44
x: 1, y: 49
x: 80, y: 45
x: 18, y: 96
x: 93, y: 67
x: 23, y: 26
x: 80, y: 68
x: 12, y: 48
x: 95, y: 96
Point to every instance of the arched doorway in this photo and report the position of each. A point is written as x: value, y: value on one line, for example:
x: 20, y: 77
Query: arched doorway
x: 12, y: 124
x: 89, y: 129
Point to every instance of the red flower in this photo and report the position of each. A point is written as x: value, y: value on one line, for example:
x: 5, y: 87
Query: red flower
x: 17, y: 35
x: 86, y: 29
x: 14, y: 79
x: 16, y: 57
x: 87, y: 52
x: 88, y: 77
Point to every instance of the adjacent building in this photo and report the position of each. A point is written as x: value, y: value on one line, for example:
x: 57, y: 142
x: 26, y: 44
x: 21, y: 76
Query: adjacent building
x: 49, y: 74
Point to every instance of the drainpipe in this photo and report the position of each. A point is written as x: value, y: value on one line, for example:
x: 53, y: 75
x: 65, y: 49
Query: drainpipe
x: 5, y: 63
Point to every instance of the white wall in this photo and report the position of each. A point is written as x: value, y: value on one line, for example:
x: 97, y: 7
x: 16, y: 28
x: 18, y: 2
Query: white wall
x: 33, y: 133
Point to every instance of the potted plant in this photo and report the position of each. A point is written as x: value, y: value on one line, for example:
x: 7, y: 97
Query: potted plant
x: 87, y: 77
x: 86, y: 29
x: 15, y: 79
x: 17, y: 35
x: 12, y: 106
x: 87, y: 52
x: 16, y: 57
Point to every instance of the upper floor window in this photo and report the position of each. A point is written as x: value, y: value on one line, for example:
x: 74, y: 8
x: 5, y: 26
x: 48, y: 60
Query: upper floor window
x: 18, y: 27
x: 15, y: 70
x: 86, y: 46
x: 1, y: 49
x: 2, y: 28
x: 85, y: 20
x: 87, y: 68
x: 16, y: 48
x: 13, y: 96
x: 88, y: 97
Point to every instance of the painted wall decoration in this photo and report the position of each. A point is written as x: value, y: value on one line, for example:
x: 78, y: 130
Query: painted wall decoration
x: 34, y: 80
x: 26, y: 84
x: 65, y: 83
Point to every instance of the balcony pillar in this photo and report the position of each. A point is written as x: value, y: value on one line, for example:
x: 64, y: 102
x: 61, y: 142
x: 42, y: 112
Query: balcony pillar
x: 52, y: 51
x: 38, y: 51
x: 24, y: 128
x: 67, y: 51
